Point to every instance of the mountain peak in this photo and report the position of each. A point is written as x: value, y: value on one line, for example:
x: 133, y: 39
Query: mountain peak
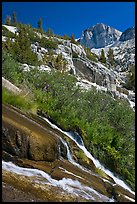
x: 99, y: 35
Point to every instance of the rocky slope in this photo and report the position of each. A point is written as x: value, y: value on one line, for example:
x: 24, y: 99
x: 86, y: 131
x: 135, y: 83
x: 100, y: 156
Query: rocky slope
x: 83, y: 67
x: 102, y: 36
x: 128, y: 34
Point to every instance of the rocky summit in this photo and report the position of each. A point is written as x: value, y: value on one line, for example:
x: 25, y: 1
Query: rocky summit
x: 99, y: 35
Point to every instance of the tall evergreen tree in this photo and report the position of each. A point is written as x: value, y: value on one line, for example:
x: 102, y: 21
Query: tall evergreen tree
x: 110, y: 56
x: 14, y: 18
x: 40, y: 25
x: 49, y: 32
x: 72, y: 38
x: 130, y: 82
x: 22, y: 50
x: 102, y: 57
x: 8, y: 20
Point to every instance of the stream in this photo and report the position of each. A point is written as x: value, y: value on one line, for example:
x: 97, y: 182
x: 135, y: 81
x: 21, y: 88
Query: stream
x: 71, y: 186
x: 88, y: 154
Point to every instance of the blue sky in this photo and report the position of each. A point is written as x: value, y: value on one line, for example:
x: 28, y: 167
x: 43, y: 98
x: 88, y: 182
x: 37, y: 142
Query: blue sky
x: 72, y: 17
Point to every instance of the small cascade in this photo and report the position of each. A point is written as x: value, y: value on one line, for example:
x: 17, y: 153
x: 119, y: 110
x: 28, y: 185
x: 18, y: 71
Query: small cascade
x: 88, y: 154
x: 68, y: 151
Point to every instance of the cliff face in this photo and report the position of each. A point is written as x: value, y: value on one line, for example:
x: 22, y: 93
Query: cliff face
x: 44, y: 171
x: 99, y: 36
x: 128, y: 34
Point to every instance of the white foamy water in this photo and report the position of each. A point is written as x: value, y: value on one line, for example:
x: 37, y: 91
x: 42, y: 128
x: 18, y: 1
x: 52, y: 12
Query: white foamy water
x: 69, y: 185
x: 95, y: 161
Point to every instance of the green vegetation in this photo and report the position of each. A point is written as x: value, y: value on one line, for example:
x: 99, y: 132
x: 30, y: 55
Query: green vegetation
x: 110, y: 56
x: 10, y: 68
x: 66, y: 37
x: 8, y: 20
x: 14, y: 17
x: 16, y: 100
x: 48, y: 43
x: 49, y: 32
x: 101, y: 173
x: 90, y: 55
x: 72, y: 39
x: 102, y: 56
x: 106, y: 125
x: 7, y: 33
x: 20, y: 49
x: 130, y: 83
x: 40, y: 25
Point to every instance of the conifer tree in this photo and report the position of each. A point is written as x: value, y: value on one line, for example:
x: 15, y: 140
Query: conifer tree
x: 22, y: 49
x: 110, y: 56
x: 40, y: 25
x: 8, y: 20
x: 72, y: 38
x: 14, y: 18
x: 130, y: 82
x: 102, y: 56
x: 66, y: 37
x: 49, y: 32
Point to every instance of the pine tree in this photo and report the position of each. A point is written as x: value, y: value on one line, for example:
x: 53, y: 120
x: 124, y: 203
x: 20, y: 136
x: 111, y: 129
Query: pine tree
x: 14, y: 18
x: 49, y: 32
x: 102, y: 57
x: 40, y: 25
x: 110, y: 56
x: 66, y: 37
x: 72, y: 38
x: 22, y: 50
x: 130, y: 82
x: 8, y: 20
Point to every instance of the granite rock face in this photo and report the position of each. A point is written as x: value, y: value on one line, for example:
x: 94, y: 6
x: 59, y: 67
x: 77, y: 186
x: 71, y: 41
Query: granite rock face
x: 99, y: 35
x: 128, y: 34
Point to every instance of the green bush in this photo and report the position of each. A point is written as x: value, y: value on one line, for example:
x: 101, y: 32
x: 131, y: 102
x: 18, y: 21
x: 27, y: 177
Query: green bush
x: 48, y: 43
x: 10, y: 68
x: 15, y: 100
x: 90, y: 55
x: 130, y: 82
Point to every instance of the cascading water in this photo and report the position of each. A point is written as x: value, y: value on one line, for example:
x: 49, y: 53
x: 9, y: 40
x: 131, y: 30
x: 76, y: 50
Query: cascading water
x: 68, y: 151
x: 87, y: 153
x: 72, y: 160
x: 71, y: 186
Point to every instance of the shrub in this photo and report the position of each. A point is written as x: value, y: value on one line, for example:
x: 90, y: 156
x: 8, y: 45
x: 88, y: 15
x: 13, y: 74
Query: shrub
x: 15, y: 100
x: 48, y: 43
x: 10, y: 68
x: 90, y: 55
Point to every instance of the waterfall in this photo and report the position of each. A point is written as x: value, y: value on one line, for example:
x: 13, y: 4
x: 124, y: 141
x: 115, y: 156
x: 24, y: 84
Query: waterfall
x: 71, y: 160
x: 88, y: 154
x: 68, y: 151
